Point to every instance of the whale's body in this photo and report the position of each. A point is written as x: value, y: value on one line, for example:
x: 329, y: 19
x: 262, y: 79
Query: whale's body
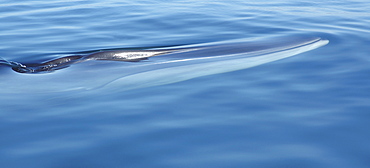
x: 143, y: 68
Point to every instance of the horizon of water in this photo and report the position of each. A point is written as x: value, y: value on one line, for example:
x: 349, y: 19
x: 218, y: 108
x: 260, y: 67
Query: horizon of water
x: 310, y: 110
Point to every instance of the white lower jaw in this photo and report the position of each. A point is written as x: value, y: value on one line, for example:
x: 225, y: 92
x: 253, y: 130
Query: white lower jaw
x: 158, y: 70
x: 214, y: 65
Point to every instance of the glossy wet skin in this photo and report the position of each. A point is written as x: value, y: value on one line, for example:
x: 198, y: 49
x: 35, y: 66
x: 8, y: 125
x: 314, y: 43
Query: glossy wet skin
x: 130, y: 69
x: 64, y: 62
x: 139, y: 55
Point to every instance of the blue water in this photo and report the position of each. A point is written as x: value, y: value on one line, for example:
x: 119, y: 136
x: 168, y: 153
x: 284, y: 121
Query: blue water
x: 308, y: 111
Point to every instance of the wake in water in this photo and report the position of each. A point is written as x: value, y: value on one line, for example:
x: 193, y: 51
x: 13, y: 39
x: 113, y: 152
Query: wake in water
x: 14, y: 65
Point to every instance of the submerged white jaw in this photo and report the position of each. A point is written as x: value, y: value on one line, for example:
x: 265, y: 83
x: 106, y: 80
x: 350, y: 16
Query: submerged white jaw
x: 183, y: 69
x: 161, y: 66
x: 293, y: 50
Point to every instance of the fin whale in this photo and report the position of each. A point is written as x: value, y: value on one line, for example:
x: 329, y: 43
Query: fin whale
x: 130, y: 69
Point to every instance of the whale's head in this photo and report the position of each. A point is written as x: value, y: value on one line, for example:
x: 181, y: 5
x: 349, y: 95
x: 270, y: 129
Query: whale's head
x: 120, y: 70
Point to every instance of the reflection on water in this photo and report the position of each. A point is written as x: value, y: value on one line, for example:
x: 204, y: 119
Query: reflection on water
x: 306, y: 111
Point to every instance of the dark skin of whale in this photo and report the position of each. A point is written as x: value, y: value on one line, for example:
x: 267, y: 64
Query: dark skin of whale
x: 136, y: 55
x: 164, y: 65
x: 116, y: 55
x: 64, y: 62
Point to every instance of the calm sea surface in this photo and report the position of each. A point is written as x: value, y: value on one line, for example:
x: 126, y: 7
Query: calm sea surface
x: 308, y: 111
